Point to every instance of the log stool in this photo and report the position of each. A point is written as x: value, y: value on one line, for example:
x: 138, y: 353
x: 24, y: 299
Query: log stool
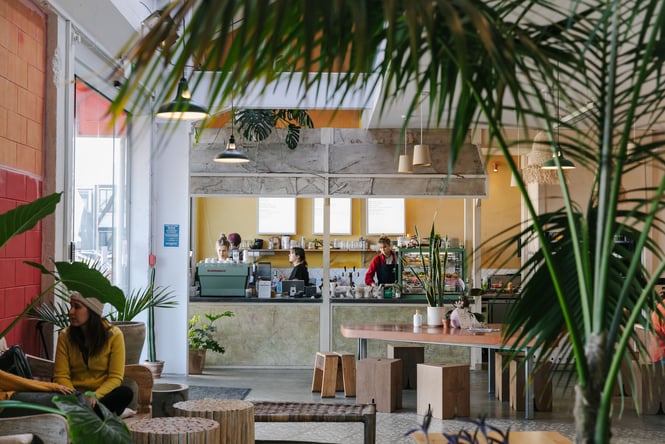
x: 181, y: 430
x: 334, y: 372
x: 446, y: 388
x: 542, y: 386
x: 411, y: 355
x: 235, y: 417
x: 379, y: 381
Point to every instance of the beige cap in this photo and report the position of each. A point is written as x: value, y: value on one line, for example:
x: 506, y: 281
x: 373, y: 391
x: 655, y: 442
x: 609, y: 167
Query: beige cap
x: 93, y: 304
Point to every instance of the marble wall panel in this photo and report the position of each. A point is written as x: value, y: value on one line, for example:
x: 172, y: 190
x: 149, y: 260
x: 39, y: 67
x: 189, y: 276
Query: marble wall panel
x: 256, y: 186
x: 351, y: 155
x: 264, y: 334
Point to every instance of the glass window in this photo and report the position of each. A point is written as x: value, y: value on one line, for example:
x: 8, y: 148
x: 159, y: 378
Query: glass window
x: 385, y: 216
x: 100, y: 184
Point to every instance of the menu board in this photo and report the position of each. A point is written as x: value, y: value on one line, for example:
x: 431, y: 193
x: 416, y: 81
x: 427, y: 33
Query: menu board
x: 277, y: 215
x: 340, y: 215
x: 385, y: 216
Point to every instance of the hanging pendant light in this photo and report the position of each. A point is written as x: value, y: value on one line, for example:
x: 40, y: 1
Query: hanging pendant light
x: 182, y: 107
x: 513, y: 179
x: 421, y: 153
x: 564, y: 163
x: 552, y: 163
x: 231, y: 154
x: 405, y: 161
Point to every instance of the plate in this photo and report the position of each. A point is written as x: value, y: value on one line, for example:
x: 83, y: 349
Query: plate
x: 483, y: 329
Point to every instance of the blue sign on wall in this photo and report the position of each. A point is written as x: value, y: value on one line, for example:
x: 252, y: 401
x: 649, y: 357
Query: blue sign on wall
x: 171, y: 235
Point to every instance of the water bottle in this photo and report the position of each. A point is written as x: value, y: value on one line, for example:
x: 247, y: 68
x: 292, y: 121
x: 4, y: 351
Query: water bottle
x: 417, y: 319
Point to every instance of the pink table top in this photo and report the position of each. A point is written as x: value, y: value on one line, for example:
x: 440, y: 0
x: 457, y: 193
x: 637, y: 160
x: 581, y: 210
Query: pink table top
x: 426, y: 334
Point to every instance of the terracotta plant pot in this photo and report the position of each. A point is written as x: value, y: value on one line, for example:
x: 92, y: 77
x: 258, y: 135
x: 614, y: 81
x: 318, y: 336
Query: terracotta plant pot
x: 156, y: 368
x: 197, y: 360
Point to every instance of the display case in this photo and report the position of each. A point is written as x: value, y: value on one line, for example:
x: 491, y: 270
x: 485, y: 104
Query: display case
x: 410, y: 264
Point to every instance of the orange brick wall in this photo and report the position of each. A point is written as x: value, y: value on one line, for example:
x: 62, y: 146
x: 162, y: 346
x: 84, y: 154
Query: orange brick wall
x: 22, y: 87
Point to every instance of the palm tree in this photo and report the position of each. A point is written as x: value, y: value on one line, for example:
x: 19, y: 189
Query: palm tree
x: 493, y: 62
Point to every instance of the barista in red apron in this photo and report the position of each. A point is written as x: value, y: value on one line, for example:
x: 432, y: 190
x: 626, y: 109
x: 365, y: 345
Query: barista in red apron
x: 383, y: 266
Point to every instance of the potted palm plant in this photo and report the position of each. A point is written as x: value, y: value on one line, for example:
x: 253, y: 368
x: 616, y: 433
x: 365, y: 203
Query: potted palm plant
x: 496, y: 62
x: 83, y: 423
x: 201, y: 339
x: 433, y: 262
x: 134, y: 332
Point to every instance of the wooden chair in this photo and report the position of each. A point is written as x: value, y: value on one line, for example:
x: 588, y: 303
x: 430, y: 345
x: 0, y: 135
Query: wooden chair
x: 48, y: 427
x: 134, y: 374
x: 140, y: 375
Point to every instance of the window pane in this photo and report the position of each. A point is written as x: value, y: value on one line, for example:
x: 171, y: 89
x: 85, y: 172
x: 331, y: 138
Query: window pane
x: 99, y: 221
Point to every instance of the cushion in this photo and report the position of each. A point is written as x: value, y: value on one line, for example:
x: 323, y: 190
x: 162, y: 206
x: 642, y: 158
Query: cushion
x: 17, y: 439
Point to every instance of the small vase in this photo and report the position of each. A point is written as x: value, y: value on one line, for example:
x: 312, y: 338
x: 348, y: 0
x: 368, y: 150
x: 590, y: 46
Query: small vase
x: 434, y: 316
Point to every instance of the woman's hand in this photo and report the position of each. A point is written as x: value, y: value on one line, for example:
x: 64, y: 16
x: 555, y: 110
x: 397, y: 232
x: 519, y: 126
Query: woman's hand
x: 92, y: 398
x: 65, y: 390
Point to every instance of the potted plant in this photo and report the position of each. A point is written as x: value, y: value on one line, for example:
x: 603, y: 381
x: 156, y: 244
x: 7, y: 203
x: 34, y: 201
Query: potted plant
x: 83, y: 423
x: 136, y: 302
x: 201, y: 339
x: 433, y: 261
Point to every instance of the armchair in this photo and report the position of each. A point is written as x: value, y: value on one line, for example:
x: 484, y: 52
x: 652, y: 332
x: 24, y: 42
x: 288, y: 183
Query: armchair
x: 140, y: 375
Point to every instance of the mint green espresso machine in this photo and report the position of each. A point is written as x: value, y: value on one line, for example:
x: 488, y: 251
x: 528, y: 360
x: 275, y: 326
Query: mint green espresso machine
x: 223, y: 278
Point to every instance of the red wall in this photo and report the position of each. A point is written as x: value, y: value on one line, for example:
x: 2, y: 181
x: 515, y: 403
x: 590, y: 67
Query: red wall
x: 22, y: 86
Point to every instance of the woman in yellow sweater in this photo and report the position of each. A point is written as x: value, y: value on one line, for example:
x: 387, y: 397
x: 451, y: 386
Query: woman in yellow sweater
x: 90, y: 356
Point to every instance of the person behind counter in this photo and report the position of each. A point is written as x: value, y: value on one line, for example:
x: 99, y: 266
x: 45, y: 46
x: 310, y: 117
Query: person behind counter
x: 299, y: 272
x: 235, y: 240
x: 383, y: 266
x: 658, y: 344
x: 223, y: 246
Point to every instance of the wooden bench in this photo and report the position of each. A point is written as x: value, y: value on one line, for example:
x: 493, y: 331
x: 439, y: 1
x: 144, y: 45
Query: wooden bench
x: 268, y: 411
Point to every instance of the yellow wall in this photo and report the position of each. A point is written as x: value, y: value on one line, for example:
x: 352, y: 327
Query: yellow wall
x: 218, y: 215
x: 499, y: 212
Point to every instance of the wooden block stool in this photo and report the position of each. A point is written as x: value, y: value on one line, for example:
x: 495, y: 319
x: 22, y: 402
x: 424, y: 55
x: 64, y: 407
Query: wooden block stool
x: 324, y: 379
x: 649, y: 387
x: 379, y: 381
x: 411, y: 355
x: 446, y: 388
x: 235, y: 417
x: 542, y: 386
x: 346, y: 374
x: 172, y: 429
x: 502, y: 375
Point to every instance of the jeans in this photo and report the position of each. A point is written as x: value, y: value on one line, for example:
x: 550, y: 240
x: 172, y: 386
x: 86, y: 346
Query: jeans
x: 115, y: 401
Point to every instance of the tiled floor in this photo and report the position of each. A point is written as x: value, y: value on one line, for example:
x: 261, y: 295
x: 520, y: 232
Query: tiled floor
x: 295, y: 385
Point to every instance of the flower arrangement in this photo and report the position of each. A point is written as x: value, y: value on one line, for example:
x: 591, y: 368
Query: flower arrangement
x: 201, y: 332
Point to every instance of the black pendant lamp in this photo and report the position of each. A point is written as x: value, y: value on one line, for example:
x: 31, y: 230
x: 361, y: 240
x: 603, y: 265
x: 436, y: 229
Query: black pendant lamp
x: 562, y: 163
x: 231, y: 154
x: 551, y: 164
x: 182, y: 107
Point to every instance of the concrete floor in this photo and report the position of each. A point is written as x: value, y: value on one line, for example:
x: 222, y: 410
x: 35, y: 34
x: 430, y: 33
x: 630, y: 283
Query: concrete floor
x: 295, y: 385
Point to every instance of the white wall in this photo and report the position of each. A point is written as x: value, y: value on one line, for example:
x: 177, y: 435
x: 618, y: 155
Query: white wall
x: 170, y: 205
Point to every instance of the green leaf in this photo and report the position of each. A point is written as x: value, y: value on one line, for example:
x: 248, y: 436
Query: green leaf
x: 25, y: 217
x: 90, y: 282
x: 86, y: 427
